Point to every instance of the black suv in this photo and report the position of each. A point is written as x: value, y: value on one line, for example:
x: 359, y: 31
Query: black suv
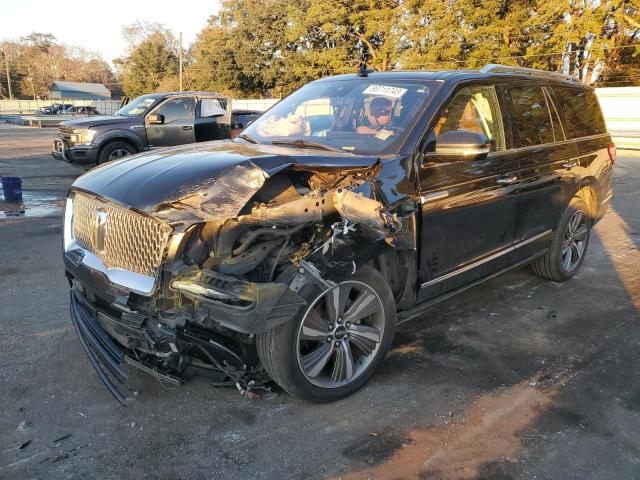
x: 149, y: 121
x: 292, y: 252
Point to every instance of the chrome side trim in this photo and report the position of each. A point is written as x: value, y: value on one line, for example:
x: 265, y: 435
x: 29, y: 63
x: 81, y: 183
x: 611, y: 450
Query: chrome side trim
x: 432, y: 197
x: 485, y: 260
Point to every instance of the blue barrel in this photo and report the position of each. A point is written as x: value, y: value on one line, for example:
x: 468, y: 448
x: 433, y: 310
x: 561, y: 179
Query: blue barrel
x: 12, y: 188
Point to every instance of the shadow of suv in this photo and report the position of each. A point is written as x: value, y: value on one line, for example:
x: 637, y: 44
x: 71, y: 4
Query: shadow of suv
x: 292, y: 252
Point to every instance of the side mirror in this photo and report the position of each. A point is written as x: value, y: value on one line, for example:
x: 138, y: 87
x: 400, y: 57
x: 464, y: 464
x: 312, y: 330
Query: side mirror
x: 463, y: 145
x: 155, y: 119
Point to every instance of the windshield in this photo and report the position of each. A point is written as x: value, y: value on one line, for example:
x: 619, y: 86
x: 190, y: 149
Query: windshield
x: 360, y: 115
x: 137, y: 107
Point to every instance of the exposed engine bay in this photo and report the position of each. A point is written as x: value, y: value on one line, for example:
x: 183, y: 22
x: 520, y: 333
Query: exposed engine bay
x: 242, y: 249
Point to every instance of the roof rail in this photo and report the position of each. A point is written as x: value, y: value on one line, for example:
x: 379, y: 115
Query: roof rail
x: 496, y: 68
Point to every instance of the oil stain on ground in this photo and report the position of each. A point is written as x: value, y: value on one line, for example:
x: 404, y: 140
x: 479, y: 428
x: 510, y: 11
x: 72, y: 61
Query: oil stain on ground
x: 487, y: 432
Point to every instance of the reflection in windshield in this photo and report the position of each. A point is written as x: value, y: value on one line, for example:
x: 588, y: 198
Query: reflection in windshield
x: 363, y: 115
x: 137, y: 107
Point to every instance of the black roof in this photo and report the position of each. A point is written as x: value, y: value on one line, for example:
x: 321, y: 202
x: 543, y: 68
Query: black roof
x: 190, y: 92
x: 490, y: 71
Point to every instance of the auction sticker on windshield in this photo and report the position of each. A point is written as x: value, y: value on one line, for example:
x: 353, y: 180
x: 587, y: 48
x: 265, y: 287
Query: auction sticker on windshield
x: 385, y: 91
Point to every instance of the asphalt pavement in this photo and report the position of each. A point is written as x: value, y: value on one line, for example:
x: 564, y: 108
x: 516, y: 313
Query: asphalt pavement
x: 519, y: 378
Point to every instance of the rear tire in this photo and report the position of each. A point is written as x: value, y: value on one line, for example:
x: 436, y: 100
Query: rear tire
x: 114, y: 151
x: 327, y: 353
x: 568, y: 246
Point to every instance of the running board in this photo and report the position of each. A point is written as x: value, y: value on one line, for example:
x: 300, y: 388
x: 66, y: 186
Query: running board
x: 422, y: 308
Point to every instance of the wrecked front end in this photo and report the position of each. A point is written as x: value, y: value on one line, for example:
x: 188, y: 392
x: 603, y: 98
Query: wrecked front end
x: 184, y: 284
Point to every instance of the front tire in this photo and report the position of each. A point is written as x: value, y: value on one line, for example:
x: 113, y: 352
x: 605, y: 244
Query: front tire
x: 333, y: 346
x: 114, y: 151
x: 568, y: 246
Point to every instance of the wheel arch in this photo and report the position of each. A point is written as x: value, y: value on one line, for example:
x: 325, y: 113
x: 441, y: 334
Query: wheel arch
x: 588, y: 193
x: 121, y: 135
x: 114, y: 139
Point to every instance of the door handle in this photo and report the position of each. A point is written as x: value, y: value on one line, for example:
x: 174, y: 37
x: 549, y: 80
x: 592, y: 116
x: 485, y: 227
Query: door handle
x: 432, y: 197
x: 187, y: 127
x: 507, y: 180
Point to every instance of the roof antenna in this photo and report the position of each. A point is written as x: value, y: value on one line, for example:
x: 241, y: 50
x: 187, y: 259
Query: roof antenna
x: 362, y: 70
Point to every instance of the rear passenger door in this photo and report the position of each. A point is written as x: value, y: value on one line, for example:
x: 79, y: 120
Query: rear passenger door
x: 584, y: 124
x: 213, y: 120
x: 549, y: 171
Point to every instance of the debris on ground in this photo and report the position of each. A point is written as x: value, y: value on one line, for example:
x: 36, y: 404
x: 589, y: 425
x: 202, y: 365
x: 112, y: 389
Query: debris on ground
x: 63, y: 438
x: 24, y: 445
x: 69, y: 453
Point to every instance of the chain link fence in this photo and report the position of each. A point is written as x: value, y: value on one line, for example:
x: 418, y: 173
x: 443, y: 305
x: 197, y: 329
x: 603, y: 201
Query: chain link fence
x: 32, y: 107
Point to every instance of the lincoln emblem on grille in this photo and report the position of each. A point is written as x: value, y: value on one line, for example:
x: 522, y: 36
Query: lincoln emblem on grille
x: 101, y: 222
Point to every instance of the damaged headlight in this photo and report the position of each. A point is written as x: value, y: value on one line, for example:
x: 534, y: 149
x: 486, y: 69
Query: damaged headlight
x: 83, y: 135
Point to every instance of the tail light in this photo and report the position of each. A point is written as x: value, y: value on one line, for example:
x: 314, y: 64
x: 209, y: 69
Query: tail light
x: 611, y: 148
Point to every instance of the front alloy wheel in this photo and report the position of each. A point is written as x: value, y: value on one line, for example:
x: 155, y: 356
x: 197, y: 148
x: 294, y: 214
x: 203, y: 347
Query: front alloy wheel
x: 340, y: 334
x: 117, y: 154
x: 333, y: 346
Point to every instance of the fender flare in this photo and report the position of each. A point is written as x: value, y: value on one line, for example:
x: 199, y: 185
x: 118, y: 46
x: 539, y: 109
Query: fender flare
x: 121, y: 133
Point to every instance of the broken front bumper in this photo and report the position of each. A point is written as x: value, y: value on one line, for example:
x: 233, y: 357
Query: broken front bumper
x: 107, y: 356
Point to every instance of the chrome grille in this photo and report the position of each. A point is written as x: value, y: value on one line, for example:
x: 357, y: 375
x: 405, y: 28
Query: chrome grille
x: 125, y: 240
x: 65, y: 132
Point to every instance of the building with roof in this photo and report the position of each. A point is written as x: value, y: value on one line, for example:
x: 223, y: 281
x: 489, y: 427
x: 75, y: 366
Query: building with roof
x: 79, y: 90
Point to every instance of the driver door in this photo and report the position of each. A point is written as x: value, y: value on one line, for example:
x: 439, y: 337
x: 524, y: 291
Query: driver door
x: 469, y: 205
x: 177, y: 117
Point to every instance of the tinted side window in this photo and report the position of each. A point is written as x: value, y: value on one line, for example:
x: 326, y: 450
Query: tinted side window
x: 532, y: 121
x: 473, y: 108
x: 182, y: 108
x: 244, y: 120
x: 580, y: 111
x: 211, y: 107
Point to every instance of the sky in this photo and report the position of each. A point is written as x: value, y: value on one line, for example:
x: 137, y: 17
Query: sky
x: 95, y: 24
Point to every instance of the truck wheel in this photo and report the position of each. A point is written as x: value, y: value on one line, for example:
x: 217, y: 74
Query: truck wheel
x: 568, y: 246
x: 333, y: 346
x: 114, y: 151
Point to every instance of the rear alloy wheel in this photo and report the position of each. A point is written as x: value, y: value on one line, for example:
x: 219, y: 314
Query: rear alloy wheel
x: 332, y: 348
x: 568, y: 246
x: 574, y: 242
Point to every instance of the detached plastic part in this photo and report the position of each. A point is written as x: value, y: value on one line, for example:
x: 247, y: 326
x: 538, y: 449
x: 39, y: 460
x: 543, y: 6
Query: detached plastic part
x: 244, y: 307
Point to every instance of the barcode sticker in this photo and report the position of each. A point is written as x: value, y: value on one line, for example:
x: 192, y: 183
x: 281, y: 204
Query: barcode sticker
x: 385, y: 91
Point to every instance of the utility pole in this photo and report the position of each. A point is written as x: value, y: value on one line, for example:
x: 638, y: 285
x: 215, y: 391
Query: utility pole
x: 6, y: 64
x: 180, y: 61
x: 33, y: 91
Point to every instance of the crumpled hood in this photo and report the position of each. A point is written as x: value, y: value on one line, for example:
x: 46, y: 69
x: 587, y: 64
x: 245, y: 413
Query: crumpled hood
x: 208, y: 180
x: 100, y: 120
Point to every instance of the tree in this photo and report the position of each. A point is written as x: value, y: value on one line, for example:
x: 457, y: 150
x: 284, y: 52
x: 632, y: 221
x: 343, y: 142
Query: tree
x: 38, y: 59
x: 258, y: 47
x: 212, y: 63
x: 152, y: 59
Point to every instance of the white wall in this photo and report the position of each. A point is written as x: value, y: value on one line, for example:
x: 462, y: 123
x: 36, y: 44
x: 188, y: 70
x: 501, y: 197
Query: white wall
x: 621, y: 109
x: 260, y: 104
